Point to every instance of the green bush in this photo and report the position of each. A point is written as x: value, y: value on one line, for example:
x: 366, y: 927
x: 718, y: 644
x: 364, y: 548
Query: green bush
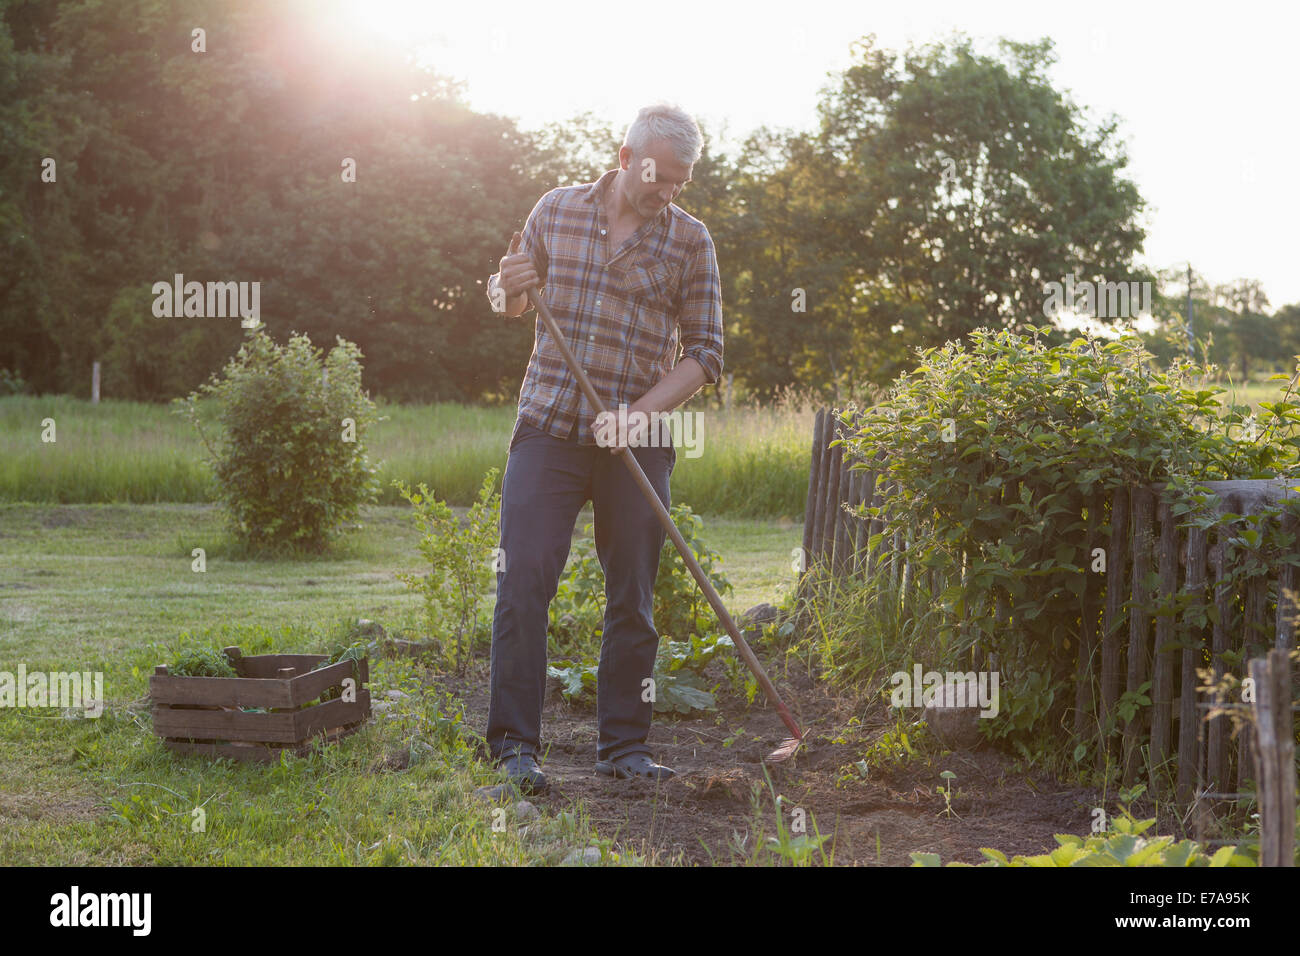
x: 290, y: 463
x: 461, y: 561
x: 996, y: 454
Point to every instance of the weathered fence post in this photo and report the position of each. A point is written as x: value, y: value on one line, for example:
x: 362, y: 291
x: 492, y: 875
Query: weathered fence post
x: 1189, y: 755
x: 833, y: 509
x: 1139, y: 624
x: 1162, y: 678
x: 840, y: 561
x: 1216, y: 763
x: 814, y: 487
x: 1084, y: 700
x: 1275, y: 757
x: 1286, y: 594
x: 823, y: 473
x: 1116, y: 566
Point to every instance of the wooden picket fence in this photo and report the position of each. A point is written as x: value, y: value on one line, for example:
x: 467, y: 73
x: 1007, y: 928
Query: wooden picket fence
x: 1134, y: 644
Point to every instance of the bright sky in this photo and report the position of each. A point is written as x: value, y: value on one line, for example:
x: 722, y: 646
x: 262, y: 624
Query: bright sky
x: 1206, y: 93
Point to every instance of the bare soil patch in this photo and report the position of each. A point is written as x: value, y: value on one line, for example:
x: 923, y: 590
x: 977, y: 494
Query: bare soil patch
x: 701, y: 815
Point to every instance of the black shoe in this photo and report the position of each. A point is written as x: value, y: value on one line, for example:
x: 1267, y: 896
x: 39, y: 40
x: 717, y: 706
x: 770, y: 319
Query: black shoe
x: 523, y: 771
x: 634, y: 765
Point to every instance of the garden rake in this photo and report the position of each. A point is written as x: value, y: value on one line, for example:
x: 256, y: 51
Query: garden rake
x: 788, y: 746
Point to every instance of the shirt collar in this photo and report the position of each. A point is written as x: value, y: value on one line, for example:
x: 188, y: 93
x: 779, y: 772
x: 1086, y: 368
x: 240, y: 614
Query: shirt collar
x: 595, y: 189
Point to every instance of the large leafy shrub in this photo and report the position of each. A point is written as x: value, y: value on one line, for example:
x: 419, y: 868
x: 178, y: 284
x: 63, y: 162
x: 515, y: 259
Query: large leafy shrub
x: 997, y: 455
x: 291, y: 471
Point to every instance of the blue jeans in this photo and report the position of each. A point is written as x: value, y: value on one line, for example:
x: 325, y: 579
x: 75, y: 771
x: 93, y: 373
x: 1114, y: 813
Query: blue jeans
x: 547, y: 482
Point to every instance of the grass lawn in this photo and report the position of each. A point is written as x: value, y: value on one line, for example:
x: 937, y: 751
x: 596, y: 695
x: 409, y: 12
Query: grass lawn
x: 110, y: 588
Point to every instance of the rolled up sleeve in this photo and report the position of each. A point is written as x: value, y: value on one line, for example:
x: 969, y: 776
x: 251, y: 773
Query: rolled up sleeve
x: 701, y: 315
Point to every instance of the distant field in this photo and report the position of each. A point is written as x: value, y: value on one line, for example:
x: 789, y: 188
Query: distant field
x: 752, y: 463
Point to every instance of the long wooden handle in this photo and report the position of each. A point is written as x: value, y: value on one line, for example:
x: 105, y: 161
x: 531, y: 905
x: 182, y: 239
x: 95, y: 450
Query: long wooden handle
x: 665, y: 519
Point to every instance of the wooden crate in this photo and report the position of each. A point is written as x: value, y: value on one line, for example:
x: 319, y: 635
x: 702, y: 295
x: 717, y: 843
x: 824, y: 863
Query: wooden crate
x: 204, y: 715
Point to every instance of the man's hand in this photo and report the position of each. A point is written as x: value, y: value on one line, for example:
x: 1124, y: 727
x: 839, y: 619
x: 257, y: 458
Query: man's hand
x: 605, y: 428
x: 516, y: 273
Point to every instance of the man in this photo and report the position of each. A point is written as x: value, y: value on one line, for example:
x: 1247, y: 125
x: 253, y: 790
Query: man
x: 628, y: 277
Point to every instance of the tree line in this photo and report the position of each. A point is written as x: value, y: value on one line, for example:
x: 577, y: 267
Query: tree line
x: 939, y: 189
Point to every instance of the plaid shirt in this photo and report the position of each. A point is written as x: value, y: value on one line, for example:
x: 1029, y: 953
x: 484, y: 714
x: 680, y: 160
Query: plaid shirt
x: 622, y: 311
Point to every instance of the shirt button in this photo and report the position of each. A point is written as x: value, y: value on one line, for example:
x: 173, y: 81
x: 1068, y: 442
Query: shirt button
x: 591, y: 338
x: 602, y: 232
x: 598, y: 302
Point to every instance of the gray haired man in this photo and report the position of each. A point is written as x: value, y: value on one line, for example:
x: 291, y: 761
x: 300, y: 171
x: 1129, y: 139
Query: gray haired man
x: 632, y: 281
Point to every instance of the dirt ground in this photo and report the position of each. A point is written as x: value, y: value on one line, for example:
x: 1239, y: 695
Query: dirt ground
x: 708, y: 809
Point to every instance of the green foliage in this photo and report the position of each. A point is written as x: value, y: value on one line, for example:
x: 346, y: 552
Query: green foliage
x: 461, y: 559
x: 201, y: 662
x: 998, y: 452
x: 11, y: 383
x: 895, y: 747
x: 1122, y: 846
x: 919, y: 210
x: 798, y: 842
x: 287, y: 471
x: 946, y: 791
x: 354, y: 652
x: 680, y: 609
x: 680, y: 684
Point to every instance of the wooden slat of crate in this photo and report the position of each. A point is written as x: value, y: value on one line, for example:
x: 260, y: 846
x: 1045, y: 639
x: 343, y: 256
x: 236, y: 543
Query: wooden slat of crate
x: 334, y: 713
x: 261, y: 753
x: 307, y: 687
x: 270, y: 665
x: 235, y: 725
x: 223, y: 724
x: 225, y: 691
x: 262, y: 684
x: 283, y: 729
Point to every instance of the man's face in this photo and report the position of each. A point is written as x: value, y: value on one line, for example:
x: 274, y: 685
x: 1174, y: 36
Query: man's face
x: 666, y: 174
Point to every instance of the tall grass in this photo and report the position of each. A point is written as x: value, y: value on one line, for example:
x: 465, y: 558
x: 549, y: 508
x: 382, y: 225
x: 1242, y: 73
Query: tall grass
x: 753, y: 462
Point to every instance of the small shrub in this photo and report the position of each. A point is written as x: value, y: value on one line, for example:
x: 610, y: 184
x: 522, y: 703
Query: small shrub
x: 291, y: 471
x: 460, y: 557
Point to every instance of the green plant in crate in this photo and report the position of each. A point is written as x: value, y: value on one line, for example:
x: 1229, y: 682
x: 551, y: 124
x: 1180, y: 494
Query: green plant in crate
x: 461, y: 560
x: 201, y: 662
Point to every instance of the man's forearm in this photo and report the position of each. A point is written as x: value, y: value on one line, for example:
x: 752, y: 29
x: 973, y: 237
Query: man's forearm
x: 677, y: 386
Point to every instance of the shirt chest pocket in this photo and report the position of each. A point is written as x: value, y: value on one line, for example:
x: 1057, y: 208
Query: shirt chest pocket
x: 654, y: 285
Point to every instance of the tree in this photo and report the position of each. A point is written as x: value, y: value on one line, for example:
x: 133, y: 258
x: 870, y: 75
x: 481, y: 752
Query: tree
x: 940, y: 194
